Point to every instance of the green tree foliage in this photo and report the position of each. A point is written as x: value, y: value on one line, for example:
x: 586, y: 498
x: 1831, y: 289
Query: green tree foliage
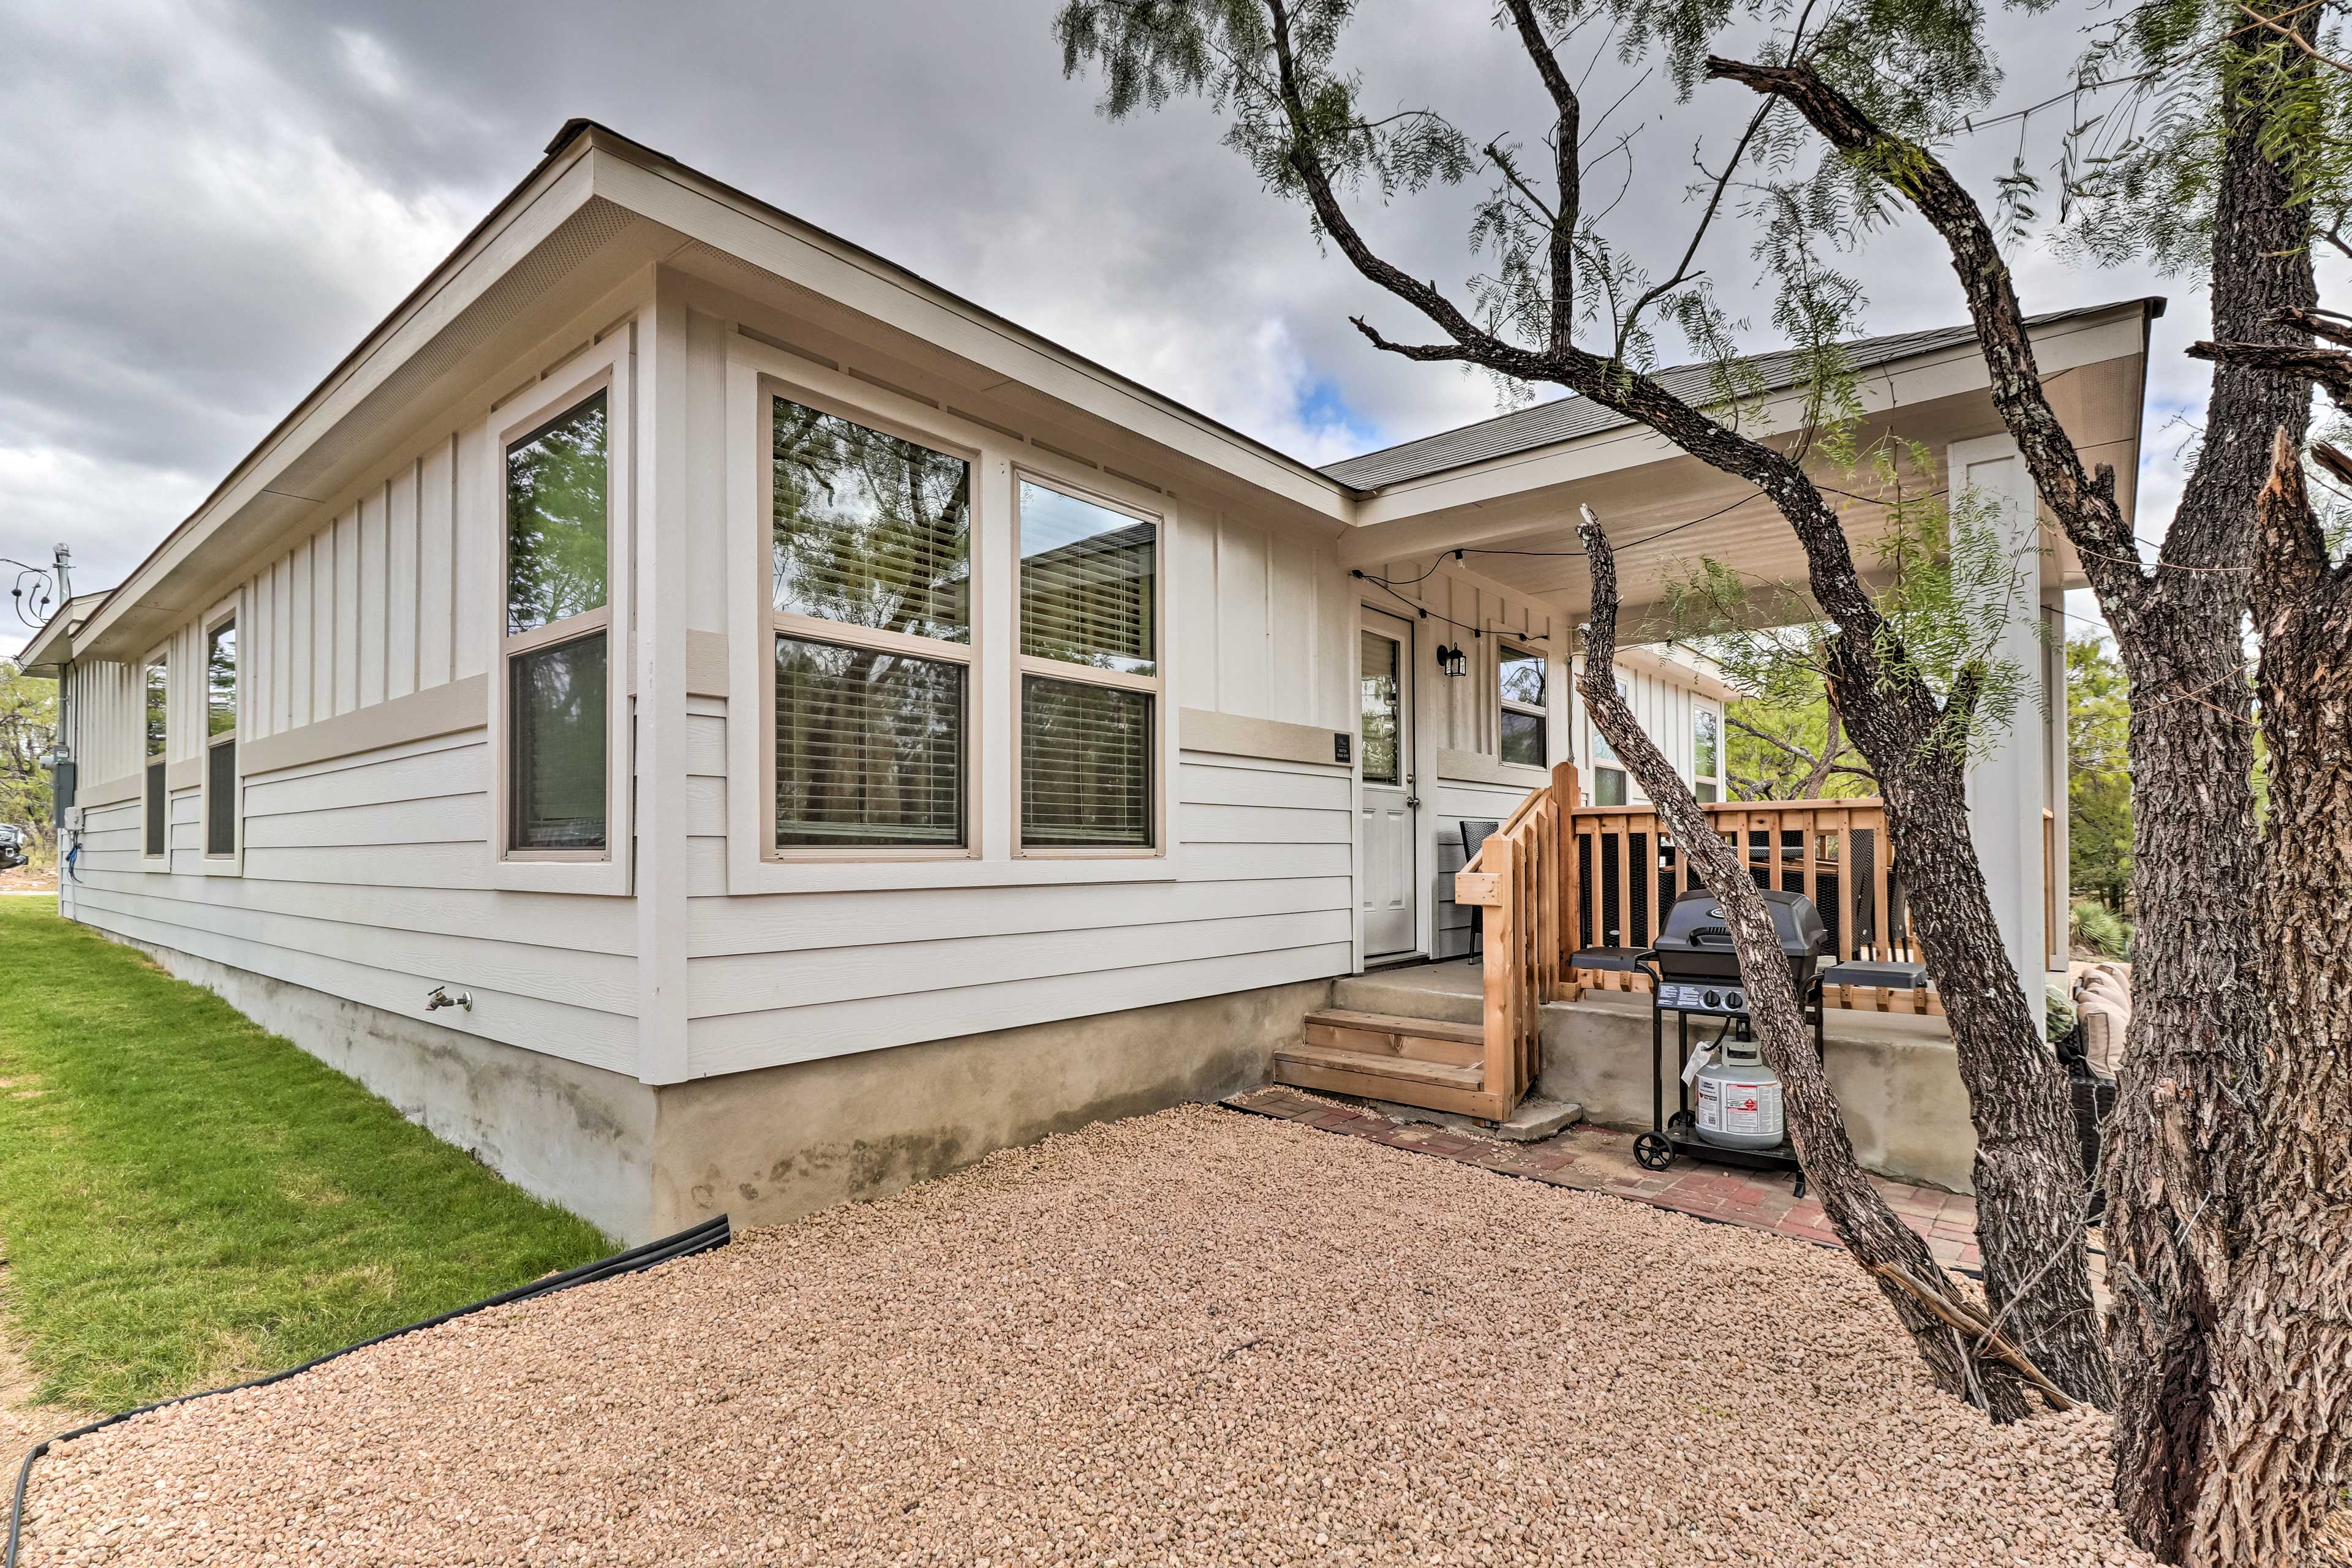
x: 2098, y: 774
x: 28, y: 730
x: 1951, y: 586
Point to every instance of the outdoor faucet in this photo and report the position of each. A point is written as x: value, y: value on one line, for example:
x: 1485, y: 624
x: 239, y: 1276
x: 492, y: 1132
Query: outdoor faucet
x: 443, y: 997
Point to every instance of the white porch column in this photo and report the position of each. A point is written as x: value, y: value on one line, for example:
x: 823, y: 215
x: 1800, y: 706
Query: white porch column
x: 2023, y: 774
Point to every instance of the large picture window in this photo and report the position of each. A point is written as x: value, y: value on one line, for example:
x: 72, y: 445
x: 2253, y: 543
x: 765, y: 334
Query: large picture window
x: 220, y: 741
x: 558, y: 628
x: 871, y: 615
x: 155, y: 714
x: 1089, y: 672
x: 1525, y: 739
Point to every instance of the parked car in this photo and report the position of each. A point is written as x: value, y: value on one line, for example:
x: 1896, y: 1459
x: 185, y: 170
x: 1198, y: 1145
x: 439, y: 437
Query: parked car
x: 14, y: 842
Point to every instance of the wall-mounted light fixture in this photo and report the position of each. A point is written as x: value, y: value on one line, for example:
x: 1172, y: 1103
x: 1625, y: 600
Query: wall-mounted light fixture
x: 1453, y: 660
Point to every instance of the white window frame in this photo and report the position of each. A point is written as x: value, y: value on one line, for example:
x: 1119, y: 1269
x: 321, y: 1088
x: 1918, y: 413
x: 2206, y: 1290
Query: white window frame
x: 1701, y: 707
x: 816, y: 628
x: 232, y: 863
x: 1152, y: 685
x: 1537, y: 710
x: 605, y: 366
x: 162, y: 655
x: 756, y: 371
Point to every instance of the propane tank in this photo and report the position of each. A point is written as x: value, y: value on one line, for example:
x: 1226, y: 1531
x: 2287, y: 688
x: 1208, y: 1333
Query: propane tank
x: 1740, y: 1100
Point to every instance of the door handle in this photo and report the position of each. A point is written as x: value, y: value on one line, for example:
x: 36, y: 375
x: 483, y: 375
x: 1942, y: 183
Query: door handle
x: 1412, y: 803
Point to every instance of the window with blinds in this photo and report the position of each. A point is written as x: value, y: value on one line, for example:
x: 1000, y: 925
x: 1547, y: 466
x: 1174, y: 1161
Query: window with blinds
x: 1085, y: 765
x: 1524, y: 729
x: 869, y: 748
x: 871, y: 612
x: 1089, y: 672
x: 868, y: 529
x: 558, y: 625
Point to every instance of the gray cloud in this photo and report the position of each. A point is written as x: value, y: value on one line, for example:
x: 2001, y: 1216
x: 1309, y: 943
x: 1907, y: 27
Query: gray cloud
x: 209, y: 204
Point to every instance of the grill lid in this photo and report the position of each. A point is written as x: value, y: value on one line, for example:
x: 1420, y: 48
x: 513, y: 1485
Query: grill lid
x: 1693, y: 924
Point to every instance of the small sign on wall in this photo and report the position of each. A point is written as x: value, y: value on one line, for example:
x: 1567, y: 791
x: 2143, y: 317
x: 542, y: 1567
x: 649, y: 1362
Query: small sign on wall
x: 1340, y: 745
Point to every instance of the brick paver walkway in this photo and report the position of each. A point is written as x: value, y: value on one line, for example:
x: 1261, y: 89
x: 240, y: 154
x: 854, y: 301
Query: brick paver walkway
x: 1596, y: 1159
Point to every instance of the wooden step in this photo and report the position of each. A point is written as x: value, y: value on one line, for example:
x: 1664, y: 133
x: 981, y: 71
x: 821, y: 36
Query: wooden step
x: 1444, y: 1075
x: 1390, y: 1075
x: 1391, y: 1034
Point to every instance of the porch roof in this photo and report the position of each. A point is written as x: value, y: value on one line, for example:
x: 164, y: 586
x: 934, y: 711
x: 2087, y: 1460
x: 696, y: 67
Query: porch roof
x: 1565, y: 418
x: 1507, y: 490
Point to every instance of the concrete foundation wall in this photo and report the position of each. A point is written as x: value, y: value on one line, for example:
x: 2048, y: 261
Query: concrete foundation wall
x: 772, y: 1144
x: 575, y: 1135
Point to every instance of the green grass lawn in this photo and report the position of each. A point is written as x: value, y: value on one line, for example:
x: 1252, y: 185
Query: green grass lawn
x: 186, y: 1200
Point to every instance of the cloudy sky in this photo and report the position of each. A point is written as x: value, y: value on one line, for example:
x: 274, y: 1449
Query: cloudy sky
x: 209, y: 202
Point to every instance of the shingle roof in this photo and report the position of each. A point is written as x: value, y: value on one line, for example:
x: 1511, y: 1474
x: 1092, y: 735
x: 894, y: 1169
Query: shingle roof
x: 1565, y: 418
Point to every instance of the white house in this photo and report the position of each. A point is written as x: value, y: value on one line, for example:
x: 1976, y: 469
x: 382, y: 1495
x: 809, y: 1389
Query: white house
x: 816, y: 732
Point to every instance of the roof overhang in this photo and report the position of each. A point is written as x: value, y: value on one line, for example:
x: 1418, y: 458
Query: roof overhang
x: 53, y: 646
x: 1665, y: 508
x: 598, y: 210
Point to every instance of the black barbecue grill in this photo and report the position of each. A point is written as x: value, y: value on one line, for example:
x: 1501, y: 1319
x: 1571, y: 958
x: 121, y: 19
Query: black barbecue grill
x: 1695, y: 970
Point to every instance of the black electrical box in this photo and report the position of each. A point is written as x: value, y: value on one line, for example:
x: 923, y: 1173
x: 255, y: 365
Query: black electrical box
x: 61, y: 792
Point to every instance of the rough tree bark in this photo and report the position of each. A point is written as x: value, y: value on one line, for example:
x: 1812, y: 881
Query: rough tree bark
x: 2028, y: 1164
x: 2179, y: 1142
x: 2281, y: 1399
x: 1889, y: 1250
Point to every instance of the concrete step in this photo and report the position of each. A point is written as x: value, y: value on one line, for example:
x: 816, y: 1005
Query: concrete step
x: 1453, y: 991
x: 1536, y: 1118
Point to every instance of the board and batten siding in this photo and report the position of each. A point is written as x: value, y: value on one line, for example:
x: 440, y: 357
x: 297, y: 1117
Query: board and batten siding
x: 1664, y: 698
x: 364, y: 874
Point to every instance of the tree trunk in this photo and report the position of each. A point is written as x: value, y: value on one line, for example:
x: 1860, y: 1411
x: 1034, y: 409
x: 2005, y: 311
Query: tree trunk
x: 2178, y: 1142
x: 1885, y: 1248
x: 2279, y: 1412
x: 2181, y: 1139
x: 2031, y: 1187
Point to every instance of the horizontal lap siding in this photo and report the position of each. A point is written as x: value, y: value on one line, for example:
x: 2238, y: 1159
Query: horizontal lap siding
x: 367, y: 877
x: 1261, y: 897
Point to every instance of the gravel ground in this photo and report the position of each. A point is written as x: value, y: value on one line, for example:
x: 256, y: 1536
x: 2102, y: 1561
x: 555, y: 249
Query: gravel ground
x: 1195, y: 1337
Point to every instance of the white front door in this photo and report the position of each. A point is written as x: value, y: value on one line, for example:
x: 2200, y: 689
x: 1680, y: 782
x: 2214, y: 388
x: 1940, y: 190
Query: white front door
x: 1384, y: 748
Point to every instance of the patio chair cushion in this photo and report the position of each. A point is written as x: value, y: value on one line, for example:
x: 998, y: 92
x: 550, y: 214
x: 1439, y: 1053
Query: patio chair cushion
x: 1876, y: 975
x: 1617, y: 958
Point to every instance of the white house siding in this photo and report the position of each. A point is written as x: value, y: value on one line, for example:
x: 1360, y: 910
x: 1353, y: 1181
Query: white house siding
x: 1261, y: 898
x: 366, y: 874
x: 1664, y: 698
x: 1256, y: 891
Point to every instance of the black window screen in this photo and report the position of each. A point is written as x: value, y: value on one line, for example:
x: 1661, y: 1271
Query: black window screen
x: 220, y: 799
x: 155, y: 808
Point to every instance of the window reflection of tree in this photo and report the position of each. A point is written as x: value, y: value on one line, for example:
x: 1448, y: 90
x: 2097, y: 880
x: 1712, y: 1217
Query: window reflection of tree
x: 556, y: 520
x: 868, y: 530
x: 220, y: 676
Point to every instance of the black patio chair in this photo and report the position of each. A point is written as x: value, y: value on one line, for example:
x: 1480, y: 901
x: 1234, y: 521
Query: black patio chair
x: 1474, y: 835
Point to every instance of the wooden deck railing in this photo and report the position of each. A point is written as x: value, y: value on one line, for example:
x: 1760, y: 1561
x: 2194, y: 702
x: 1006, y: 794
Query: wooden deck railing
x: 1561, y: 878
x: 1520, y: 879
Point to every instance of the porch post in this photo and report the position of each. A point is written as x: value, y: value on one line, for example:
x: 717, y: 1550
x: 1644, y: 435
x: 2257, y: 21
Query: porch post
x: 2010, y: 788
